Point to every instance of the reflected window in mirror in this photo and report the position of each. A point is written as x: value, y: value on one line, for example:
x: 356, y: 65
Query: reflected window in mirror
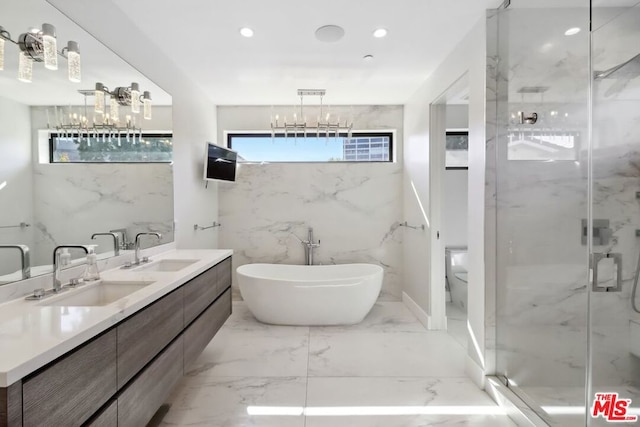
x: 543, y: 144
x: 116, y: 148
x: 457, y: 149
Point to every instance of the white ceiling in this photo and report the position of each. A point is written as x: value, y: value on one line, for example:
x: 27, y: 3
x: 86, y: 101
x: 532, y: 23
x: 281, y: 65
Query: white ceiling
x: 202, y: 38
x: 99, y: 64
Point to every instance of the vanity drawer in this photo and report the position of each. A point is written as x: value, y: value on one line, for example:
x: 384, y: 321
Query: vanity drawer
x: 200, y: 333
x: 224, y: 274
x: 204, y: 289
x: 140, y: 400
x: 142, y: 336
x: 72, y: 389
x: 11, y: 405
x: 108, y: 417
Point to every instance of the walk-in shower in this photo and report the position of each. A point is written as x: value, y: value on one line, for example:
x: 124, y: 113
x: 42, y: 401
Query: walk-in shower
x: 627, y: 70
x: 564, y: 339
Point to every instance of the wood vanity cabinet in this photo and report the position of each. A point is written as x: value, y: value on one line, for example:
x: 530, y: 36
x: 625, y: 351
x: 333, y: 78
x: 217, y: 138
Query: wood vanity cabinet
x: 108, y: 417
x: 142, y: 397
x: 69, y: 391
x: 198, y: 335
x: 123, y: 376
x: 143, y: 335
x: 199, y: 292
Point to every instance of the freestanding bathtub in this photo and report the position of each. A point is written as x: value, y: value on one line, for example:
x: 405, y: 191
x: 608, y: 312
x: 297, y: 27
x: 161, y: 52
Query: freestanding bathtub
x: 310, y: 295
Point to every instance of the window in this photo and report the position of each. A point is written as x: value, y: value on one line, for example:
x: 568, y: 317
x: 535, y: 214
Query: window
x: 361, y: 147
x: 123, y: 148
x: 457, y: 151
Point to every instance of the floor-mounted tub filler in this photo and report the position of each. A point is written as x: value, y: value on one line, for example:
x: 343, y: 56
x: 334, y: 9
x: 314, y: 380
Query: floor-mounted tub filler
x: 312, y: 295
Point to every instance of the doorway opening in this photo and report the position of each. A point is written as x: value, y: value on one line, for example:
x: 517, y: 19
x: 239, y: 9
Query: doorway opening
x: 450, y: 194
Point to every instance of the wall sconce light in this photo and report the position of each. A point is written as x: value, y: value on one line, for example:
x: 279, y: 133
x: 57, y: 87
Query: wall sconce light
x: 73, y: 57
x: 135, y: 98
x: 25, y: 68
x: 125, y: 96
x: 146, y: 103
x: 41, y: 46
x: 98, y: 102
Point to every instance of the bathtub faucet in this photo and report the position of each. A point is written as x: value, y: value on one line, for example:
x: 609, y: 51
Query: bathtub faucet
x: 309, y: 246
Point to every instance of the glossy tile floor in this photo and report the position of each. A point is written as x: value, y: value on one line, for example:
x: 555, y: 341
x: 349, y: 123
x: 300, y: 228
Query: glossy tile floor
x: 457, y: 324
x: 387, y: 371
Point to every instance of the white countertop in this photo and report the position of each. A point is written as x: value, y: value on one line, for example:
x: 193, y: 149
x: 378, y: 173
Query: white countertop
x: 33, y: 334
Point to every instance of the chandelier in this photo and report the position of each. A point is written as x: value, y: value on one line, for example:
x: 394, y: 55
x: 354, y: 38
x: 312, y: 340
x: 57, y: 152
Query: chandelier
x: 325, y: 122
x: 40, y: 45
x: 104, y: 125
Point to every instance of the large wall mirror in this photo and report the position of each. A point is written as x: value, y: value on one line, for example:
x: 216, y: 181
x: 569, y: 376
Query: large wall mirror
x: 100, y: 179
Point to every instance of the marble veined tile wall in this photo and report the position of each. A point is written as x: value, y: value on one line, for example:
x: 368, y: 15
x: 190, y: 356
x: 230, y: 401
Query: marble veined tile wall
x: 73, y: 201
x: 355, y: 209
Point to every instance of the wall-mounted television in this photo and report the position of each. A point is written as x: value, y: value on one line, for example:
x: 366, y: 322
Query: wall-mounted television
x: 220, y: 163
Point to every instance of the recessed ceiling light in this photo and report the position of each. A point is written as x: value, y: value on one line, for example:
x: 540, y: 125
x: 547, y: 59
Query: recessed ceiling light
x: 380, y: 32
x: 330, y: 33
x: 572, y: 31
x: 246, y: 32
x: 368, y: 58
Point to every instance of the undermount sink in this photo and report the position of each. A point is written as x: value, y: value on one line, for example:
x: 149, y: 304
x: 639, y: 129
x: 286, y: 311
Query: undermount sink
x: 167, y: 265
x: 99, y: 294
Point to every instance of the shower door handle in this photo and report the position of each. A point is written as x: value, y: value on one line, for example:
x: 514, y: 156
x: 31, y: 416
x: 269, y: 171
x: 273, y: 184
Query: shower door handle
x: 617, y: 279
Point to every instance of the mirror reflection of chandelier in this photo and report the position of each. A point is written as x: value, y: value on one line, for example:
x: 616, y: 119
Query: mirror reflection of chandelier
x: 298, y: 124
x: 100, y: 123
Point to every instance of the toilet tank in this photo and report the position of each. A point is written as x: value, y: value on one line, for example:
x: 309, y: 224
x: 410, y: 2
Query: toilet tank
x: 456, y: 259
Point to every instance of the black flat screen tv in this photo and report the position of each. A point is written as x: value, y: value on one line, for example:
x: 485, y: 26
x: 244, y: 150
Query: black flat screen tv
x: 220, y: 163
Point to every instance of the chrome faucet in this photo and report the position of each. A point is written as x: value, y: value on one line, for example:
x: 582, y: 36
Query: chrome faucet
x: 57, y: 284
x: 137, y: 259
x: 309, y: 246
x: 25, y: 258
x: 124, y: 243
x: 116, y: 241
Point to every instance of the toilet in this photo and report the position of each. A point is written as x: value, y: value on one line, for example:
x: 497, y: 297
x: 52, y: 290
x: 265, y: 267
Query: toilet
x: 456, y: 261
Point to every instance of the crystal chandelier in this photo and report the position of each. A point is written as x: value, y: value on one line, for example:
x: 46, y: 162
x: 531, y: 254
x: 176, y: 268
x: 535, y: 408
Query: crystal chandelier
x: 298, y: 124
x: 105, y: 125
x: 40, y: 45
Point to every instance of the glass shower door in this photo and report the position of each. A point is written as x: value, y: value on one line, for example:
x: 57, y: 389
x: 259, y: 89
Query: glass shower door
x: 615, y: 326
x: 542, y: 200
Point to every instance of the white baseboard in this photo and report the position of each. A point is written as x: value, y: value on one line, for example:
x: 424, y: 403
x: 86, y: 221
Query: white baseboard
x: 417, y: 311
x: 475, y: 372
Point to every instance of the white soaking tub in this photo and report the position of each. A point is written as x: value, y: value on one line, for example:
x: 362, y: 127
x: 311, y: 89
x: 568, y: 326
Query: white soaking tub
x: 310, y: 295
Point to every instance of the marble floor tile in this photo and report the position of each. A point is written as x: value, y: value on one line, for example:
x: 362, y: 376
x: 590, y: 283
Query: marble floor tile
x: 223, y: 402
x: 246, y: 354
x: 553, y: 400
x: 403, y: 354
x: 412, y: 421
x: 442, y: 396
x: 457, y: 324
x: 388, y: 362
x: 455, y: 312
x: 383, y: 317
x: 241, y: 320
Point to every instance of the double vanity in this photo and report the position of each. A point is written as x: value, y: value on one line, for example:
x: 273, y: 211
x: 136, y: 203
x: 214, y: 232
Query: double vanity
x: 108, y: 353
